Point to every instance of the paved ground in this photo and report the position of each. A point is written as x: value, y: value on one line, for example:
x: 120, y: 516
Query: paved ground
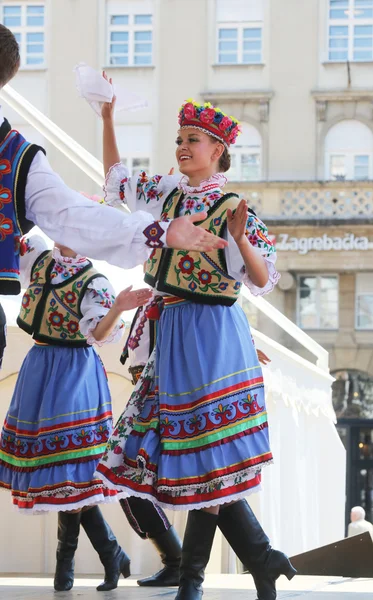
x: 220, y: 587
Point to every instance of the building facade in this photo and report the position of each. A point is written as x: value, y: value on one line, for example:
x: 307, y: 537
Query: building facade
x: 299, y: 77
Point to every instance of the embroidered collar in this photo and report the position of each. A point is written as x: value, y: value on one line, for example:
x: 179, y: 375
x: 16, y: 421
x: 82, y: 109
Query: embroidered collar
x: 216, y: 181
x: 77, y: 260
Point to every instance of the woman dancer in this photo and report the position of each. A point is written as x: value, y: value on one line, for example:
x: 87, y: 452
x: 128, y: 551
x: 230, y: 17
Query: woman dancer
x: 195, y: 432
x: 60, y: 416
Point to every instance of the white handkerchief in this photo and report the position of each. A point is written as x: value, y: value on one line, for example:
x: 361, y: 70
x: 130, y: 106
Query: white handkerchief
x: 96, y: 90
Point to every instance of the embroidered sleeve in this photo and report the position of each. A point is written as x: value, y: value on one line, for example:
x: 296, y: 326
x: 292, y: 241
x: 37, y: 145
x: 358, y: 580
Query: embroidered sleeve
x: 257, y: 234
x: 140, y: 192
x: 97, y: 301
x: 29, y: 250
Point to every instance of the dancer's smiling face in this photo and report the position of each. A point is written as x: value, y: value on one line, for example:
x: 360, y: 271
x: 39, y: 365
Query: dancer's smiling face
x: 197, y: 152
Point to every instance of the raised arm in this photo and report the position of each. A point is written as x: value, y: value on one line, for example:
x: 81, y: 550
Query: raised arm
x: 139, y: 192
x: 110, y: 148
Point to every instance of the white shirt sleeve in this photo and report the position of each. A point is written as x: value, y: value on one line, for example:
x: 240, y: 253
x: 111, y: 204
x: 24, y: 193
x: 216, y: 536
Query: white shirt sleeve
x: 140, y: 192
x: 87, y: 227
x: 33, y: 247
x: 97, y: 301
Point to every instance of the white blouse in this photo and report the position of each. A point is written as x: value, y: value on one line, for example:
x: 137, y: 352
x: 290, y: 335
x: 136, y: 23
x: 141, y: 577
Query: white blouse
x: 99, y: 295
x: 146, y: 193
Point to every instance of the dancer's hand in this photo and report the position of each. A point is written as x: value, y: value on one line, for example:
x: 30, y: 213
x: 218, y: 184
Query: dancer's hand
x: 237, y: 221
x: 107, y: 110
x: 182, y: 234
x: 263, y: 358
x: 128, y: 299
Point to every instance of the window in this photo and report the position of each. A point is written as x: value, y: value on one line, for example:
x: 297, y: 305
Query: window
x: 130, y: 35
x: 134, y: 165
x: 364, y: 301
x: 353, y: 396
x: 349, y: 152
x: 27, y: 22
x: 135, y: 146
x: 239, y: 31
x: 317, y: 301
x: 246, y: 155
x: 350, y: 30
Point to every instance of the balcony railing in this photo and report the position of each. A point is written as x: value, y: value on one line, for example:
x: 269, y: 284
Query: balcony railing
x: 309, y: 199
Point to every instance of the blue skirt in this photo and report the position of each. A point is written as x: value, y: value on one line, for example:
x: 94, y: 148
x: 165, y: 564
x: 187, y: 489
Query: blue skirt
x: 56, y: 430
x: 195, y: 431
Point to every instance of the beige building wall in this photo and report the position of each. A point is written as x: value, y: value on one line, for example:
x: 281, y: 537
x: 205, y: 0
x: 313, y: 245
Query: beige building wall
x: 293, y: 98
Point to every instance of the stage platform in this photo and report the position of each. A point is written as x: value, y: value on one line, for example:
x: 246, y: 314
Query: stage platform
x: 217, y: 587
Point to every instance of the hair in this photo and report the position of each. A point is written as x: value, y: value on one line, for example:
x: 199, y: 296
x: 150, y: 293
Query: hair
x: 225, y: 159
x: 9, y: 55
x: 358, y: 511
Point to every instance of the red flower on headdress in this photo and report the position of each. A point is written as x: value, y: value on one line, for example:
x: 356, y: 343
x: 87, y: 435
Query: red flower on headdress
x: 207, y: 115
x: 233, y: 136
x: 225, y: 123
x: 189, y: 111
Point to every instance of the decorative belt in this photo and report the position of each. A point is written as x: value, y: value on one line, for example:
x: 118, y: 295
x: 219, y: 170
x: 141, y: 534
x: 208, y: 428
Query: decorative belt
x: 163, y: 302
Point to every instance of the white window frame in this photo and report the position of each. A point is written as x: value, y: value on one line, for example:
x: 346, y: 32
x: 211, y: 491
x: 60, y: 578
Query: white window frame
x: 128, y: 161
x: 318, y: 276
x: 350, y: 22
x: 131, y: 28
x: 350, y: 163
x: 24, y: 29
x: 237, y: 153
x: 240, y: 27
x: 357, y: 296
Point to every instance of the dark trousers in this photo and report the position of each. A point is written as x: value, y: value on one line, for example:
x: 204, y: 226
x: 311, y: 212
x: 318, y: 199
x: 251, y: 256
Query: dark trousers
x: 145, y: 518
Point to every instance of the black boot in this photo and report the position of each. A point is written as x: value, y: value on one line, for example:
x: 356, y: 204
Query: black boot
x: 168, y: 546
x: 114, y: 559
x: 246, y: 537
x: 67, y: 534
x: 195, y: 554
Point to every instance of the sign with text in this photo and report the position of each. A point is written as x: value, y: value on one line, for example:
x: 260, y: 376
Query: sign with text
x: 303, y: 245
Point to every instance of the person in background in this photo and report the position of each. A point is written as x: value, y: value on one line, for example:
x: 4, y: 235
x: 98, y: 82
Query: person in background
x: 60, y: 416
x: 358, y: 523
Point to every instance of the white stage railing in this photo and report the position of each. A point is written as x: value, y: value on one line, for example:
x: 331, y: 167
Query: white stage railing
x: 94, y: 169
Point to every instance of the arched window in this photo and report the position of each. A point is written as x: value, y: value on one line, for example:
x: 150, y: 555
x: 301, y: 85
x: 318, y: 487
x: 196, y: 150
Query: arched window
x: 246, y: 155
x: 349, y: 152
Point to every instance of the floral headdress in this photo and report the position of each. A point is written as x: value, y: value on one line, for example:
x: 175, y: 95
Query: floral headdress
x: 206, y: 117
